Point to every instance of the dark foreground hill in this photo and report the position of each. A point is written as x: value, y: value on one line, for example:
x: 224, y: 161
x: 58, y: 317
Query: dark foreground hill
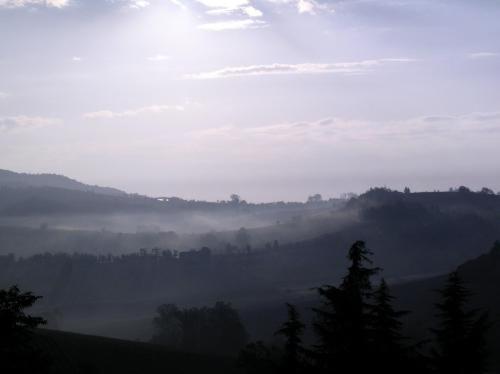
x: 482, y: 278
x: 85, y: 354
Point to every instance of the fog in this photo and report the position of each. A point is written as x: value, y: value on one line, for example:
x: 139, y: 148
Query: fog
x: 249, y: 186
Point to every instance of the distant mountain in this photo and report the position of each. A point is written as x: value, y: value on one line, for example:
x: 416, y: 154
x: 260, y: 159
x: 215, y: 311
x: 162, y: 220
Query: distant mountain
x: 58, y: 201
x: 12, y: 179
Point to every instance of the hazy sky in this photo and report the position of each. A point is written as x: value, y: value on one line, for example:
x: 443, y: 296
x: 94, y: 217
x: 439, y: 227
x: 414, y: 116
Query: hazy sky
x: 271, y: 99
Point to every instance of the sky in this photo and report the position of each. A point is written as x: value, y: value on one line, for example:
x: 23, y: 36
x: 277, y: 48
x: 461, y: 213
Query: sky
x: 270, y: 99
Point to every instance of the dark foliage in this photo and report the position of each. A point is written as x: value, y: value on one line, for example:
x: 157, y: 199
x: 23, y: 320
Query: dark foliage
x: 389, y: 347
x: 343, y: 322
x: 359, y: 330
x: 18, y: 354
x: 460, y: 338
x: 294, y: 353
x: 257, y: 358
x: 216, y: 330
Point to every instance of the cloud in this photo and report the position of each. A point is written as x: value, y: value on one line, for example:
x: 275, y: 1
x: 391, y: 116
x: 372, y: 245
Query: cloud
x: 76, y: 59
x: 23, y: 122
x: 348, y: 132
x: 139, y: 4
x: 250, y: 11
x: 24, y: 3
x: 3, y: 95
x: 231, y: 7
x: 306, y: 6
x: 224, y: 4
x: 358, y: 67
x: 178, y: 3
x: 249, y: 8
x: 479, y: 55
x: 158, y: 58
x: 341, y: 145
x: 153, y: 109
x: 222, y: 15
x: 233, y: 25
x: 225, y: 7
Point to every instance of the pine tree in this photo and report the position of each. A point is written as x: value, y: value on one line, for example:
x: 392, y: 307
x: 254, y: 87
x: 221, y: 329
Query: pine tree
x: 343, y: 322
x: 460, y: 336
x: 292, y: 330
x: 390, y: 354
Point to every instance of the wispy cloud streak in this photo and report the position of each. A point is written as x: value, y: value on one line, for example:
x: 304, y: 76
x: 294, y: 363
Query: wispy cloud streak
x: 233, y: 25
x: 153, y: 109
x: 25, y: 3
x: 23, y: 122
x: 358, y: 67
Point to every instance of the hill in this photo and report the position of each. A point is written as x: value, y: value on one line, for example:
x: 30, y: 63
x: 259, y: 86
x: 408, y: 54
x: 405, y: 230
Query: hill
x: 22, y: 180
x: 482, y: 278
x: 85, y: 354
x: 60, y: 202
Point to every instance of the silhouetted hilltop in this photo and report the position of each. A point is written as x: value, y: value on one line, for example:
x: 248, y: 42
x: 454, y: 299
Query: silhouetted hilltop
x: 29, y: 201
x: 458, y: 199
x: 13, y: 179
x: 47, y: 194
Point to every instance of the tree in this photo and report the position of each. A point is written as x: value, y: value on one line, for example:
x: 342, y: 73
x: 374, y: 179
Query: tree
x: 343, y: 322
x: 228, y: 334
x: 242, y: 237
x: 316, y: 198
x: 460, y: 336
x: 169, y: 326
x: 257, y: 358
x: 17, y: 351
x: 391, y: 356
x: 215, y: 330
x: 487, y: 191
x: 407, y: 190
x: 292, y: 330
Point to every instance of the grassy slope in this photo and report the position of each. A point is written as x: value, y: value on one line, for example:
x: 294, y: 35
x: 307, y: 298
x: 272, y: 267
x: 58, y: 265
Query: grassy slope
x: 75, y: 353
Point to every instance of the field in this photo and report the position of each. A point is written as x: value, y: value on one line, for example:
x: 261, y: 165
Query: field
x: 76, y: 353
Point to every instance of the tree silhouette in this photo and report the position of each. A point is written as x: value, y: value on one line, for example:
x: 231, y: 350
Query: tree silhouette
x: 216, y: 330
x: 257, y: 358
x: 460, y: 336
x: 343, y: 322
x: 390, y: 354
x: 17, y: 350
x: 242, y: 237
x: 292, y: 330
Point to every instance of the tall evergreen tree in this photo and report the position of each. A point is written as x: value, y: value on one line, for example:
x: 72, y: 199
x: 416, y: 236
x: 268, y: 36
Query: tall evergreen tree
x: 343, y: 322
x: 390, y: 354
x: 460, y: 336
x: 292, y: 330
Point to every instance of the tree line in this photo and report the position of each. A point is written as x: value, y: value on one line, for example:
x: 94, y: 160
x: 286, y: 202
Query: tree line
x: 358, y: 330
